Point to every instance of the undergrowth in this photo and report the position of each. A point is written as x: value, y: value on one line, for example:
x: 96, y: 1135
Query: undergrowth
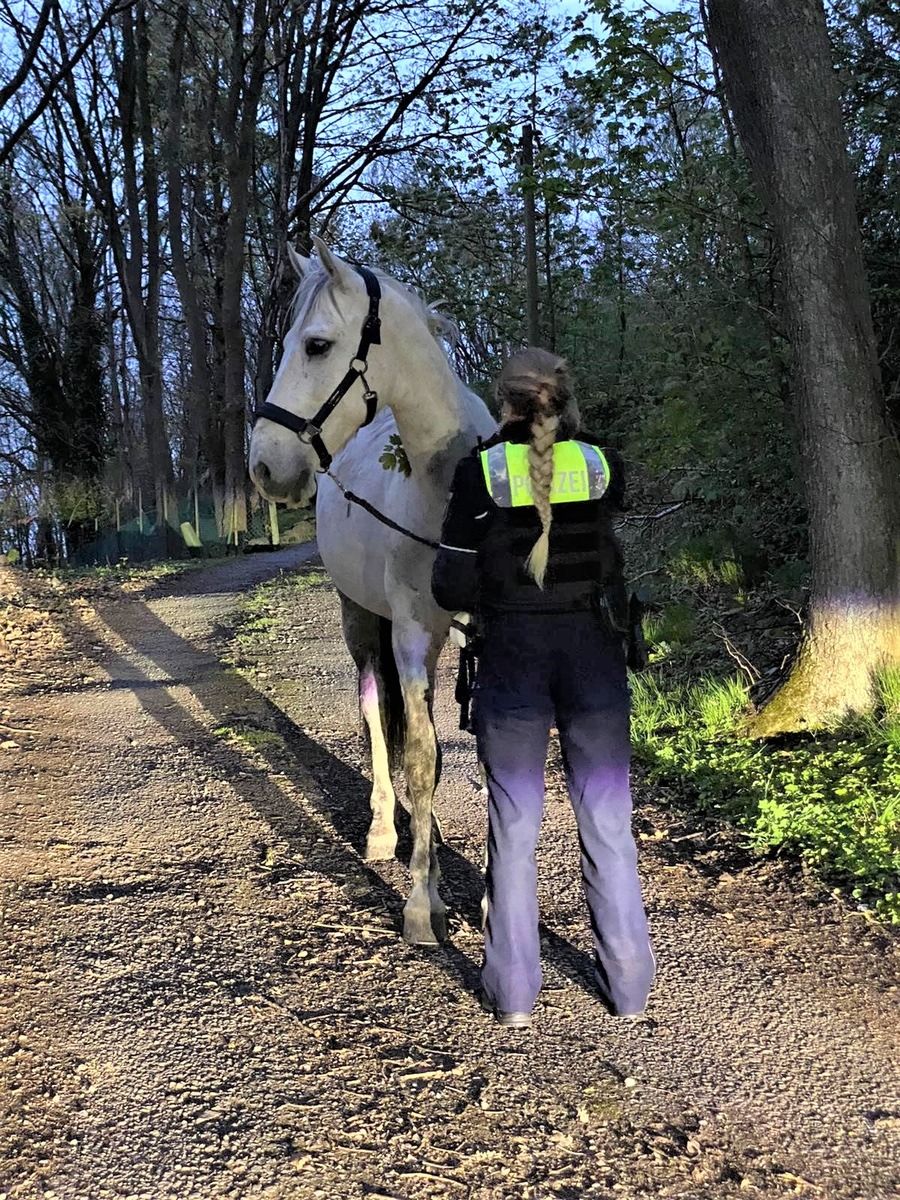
x: 131, y: 577
x: 833, y: 799
x: 257, y: 616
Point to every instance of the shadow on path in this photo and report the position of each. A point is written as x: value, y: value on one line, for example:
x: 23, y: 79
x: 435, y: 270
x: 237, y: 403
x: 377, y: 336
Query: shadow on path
x: 334, y: 804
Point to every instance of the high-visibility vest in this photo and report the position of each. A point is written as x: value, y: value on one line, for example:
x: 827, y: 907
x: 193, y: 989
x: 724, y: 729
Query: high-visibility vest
x: 580, y: 472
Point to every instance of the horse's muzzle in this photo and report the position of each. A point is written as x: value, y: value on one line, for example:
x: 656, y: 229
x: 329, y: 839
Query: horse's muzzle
x: 294, y: 491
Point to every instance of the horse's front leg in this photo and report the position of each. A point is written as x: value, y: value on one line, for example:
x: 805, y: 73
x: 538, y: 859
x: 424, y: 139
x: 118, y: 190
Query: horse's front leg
x: 381, y: 841
x: 368, y: 640
x: 416, y: 651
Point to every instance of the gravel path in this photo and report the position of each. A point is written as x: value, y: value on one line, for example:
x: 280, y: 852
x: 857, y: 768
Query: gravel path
x: 204, y: 995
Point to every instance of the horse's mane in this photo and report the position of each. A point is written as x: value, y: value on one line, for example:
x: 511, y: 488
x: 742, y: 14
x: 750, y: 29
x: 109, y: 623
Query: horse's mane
x: 316, y: 283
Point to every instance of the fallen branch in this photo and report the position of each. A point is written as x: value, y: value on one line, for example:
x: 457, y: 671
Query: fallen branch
x: 350, y: 928
x: 741, y: 659
x: 665, y: 512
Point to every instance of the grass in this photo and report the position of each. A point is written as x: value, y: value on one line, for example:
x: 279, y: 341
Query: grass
x: 676, y: 625
x: 255, y: 617
x: 889, y: 693
x: 255, y: 739
x: 258, y: 615
x: 704, y: 562
x: 131, y: 578
x: 302, y: 581
x: 833, y: 800
x: 256, y: 612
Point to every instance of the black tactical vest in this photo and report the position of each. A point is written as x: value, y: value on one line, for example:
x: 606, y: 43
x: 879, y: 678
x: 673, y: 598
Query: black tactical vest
x: 584, y: 569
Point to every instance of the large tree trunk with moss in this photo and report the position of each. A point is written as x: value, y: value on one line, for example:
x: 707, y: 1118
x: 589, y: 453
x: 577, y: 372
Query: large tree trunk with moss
x: 778, y: 74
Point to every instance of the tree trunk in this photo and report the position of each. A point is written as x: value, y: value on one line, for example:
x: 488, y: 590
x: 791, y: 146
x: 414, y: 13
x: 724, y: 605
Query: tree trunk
x: 200, y: 392
x: 291, y: 108
x: 247, y: 79
x: 778, y: 75
x: 145, y: 263
x: 526, y: 164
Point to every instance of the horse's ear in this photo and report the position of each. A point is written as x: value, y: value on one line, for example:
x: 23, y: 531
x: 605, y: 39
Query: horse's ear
x: 442, y: 324
x: 337, y: 269
x: 299, y: 262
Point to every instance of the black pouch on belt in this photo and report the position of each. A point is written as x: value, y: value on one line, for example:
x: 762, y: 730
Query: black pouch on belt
x: 463, y: 635
x: 638, y: 656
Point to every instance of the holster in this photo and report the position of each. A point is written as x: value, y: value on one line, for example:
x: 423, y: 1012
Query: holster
x: 465, y: 674
x: 621, y: 613
x: 637, y: 655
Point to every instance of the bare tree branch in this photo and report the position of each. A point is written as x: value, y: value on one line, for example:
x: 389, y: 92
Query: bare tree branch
x: 65, y: 69
x: 29, y: 55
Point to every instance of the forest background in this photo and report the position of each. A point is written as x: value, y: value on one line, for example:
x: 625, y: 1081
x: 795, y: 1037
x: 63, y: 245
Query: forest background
x: 157, y: 158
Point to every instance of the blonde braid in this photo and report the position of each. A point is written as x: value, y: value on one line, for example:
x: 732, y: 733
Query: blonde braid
x: 540, y: 469
x: 536, y: 386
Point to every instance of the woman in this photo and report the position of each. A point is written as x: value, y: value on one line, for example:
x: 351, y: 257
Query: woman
x: 527, y: 546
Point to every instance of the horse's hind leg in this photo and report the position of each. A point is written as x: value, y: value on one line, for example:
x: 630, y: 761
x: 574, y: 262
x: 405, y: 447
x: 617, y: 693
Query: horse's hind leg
x: 369, y: 641
x: 416, y: 651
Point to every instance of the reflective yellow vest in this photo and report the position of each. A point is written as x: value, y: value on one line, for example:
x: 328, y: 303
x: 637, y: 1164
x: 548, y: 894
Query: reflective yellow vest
x: 580, y: 472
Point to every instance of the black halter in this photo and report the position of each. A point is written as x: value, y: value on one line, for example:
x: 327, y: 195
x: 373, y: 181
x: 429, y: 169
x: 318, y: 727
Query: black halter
x: 309, y: 430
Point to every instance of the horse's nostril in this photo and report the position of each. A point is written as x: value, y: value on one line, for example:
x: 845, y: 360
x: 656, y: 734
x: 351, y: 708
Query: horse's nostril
x: 262, y: 472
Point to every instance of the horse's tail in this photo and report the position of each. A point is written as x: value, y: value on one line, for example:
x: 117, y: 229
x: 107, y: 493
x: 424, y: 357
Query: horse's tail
x: 393, y: 713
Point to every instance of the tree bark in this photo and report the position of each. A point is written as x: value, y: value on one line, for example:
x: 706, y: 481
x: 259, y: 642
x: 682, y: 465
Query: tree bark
x: 201, y: 396
x: 144, y: 265
x: 292, y: 48
x: 245, y: 92
x: 526, y: 166
x: 778, y: 75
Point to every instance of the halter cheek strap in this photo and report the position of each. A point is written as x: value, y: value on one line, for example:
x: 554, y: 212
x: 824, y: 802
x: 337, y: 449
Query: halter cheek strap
x: 309, y: 429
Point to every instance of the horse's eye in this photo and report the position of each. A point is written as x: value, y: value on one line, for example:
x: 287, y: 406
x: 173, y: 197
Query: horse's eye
x: 317, y: 346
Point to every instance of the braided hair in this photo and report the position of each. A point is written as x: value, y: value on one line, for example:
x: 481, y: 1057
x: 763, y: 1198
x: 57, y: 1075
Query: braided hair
x: 535, y: 386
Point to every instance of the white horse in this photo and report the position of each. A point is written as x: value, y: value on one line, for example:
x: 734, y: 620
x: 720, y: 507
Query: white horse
x: 392, y: 627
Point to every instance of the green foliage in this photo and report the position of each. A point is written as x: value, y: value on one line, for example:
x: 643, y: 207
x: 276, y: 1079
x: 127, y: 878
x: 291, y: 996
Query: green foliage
x: 657, y: 277
x: 131, y: 577
x: 675, y: 625
x: 655, y: 708
x: 706, y: 561
x: 393, y: 457
x: 834, y: 801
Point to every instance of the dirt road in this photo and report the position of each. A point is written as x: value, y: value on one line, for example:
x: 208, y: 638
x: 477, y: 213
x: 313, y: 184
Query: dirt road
x: 204, y: 995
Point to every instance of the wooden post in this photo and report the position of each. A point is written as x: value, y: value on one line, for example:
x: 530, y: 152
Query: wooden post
x: 118, y: 517
x: 232, y: 521
x: 274, y: 531
x: 140, y: 510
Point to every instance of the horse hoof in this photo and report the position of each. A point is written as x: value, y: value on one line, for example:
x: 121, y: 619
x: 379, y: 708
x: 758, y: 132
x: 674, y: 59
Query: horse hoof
x: 430, y: 931
x: 381, y: 848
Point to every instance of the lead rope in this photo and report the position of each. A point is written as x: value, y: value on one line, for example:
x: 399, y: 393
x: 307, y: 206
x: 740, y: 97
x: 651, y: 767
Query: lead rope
x: 379, y: 516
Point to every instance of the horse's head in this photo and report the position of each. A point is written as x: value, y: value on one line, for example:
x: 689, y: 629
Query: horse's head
x: 332, y: 307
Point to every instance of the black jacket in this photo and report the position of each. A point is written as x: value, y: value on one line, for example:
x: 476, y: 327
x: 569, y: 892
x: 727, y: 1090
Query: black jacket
x: 480, y: 565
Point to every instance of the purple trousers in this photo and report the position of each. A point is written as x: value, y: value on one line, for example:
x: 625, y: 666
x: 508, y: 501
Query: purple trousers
x: 536, y: 670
